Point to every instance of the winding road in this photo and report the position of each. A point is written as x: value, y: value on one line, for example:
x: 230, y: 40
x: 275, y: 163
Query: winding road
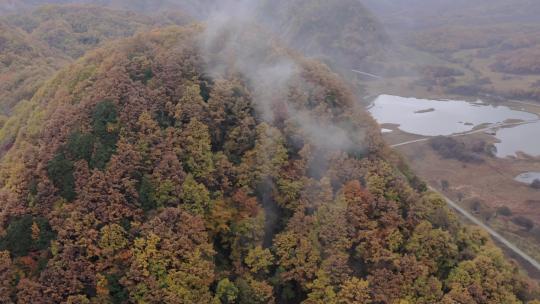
x: 494, y: 234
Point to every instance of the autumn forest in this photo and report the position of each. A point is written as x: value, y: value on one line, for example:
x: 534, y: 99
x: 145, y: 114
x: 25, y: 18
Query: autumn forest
x: 179, y: 159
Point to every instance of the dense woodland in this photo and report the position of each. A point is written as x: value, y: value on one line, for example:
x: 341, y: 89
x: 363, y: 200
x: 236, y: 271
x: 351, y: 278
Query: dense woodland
x: 141, y: 178
x: 194, y: 8
x: 343, y: 34
x: 38, y: 41
x: 170, y: 168
x: 37, y: 44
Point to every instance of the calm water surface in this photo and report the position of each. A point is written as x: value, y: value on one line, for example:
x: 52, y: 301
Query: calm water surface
x: 524, y: 138
x: 528, y: 177
x: 447, y: 117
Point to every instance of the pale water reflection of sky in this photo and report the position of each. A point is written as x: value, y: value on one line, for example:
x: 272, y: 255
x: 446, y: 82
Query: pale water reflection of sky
x: 523, y: 138
x: 446, y: 117
x: 528, y: 177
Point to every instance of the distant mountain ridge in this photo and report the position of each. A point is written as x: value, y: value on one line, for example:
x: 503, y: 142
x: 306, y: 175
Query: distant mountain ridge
x: 432, y: 13
x: 160, y: 170
x: 193, y: 7
x: 342, y: 33
x: 36, y: 44
x: 211, y: 163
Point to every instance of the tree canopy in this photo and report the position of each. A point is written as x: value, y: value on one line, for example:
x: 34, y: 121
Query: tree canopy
x: 152, y: 180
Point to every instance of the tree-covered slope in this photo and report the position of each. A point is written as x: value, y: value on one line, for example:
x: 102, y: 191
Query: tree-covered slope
x: 24, y: 63
x: 181, y: 166
x: 342, y: 33
x: 72, y: 30
x: 50, y: 36
x: 196, y: 8
x: 35, y: 45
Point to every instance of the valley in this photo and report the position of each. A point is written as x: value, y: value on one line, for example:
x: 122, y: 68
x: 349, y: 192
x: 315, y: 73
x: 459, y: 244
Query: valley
x: 459, y: 54
x: 480, y: 176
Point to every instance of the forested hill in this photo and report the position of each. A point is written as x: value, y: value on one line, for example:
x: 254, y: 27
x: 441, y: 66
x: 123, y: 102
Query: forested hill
x: 23, y: 63
x: 39, y: 40
x: 186, y: 165
x: 37, y: 44
x: 343, y: 33
x: 196, y: 8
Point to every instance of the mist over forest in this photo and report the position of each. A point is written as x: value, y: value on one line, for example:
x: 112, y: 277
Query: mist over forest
x: 221, y: 152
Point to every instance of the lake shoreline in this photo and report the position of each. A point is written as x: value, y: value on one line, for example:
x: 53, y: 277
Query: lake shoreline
x: 491, y: 184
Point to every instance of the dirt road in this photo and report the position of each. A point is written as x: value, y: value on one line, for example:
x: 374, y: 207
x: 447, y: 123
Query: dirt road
x: 493, y: 233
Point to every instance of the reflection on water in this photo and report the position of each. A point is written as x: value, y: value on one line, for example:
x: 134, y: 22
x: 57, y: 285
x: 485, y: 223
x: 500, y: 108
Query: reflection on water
x: 444, y: 117
x: 447, y: 117
x: 528, y: 177
x: 523, y: 138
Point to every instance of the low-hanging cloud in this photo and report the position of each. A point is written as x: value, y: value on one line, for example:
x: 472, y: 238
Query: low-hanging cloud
x: 234, y: 42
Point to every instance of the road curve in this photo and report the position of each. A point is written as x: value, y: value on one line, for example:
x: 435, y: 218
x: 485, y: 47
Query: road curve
x: 494, y: 234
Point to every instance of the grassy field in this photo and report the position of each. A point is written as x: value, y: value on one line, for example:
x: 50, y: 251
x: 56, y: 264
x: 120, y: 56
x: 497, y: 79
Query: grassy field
x: 485, y: 50
x: 482, y: 188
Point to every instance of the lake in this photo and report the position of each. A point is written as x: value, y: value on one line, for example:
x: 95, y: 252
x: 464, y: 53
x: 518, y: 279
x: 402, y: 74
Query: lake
x: 523, y: 138
x: 528, y: 177
x: 449, y: 117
